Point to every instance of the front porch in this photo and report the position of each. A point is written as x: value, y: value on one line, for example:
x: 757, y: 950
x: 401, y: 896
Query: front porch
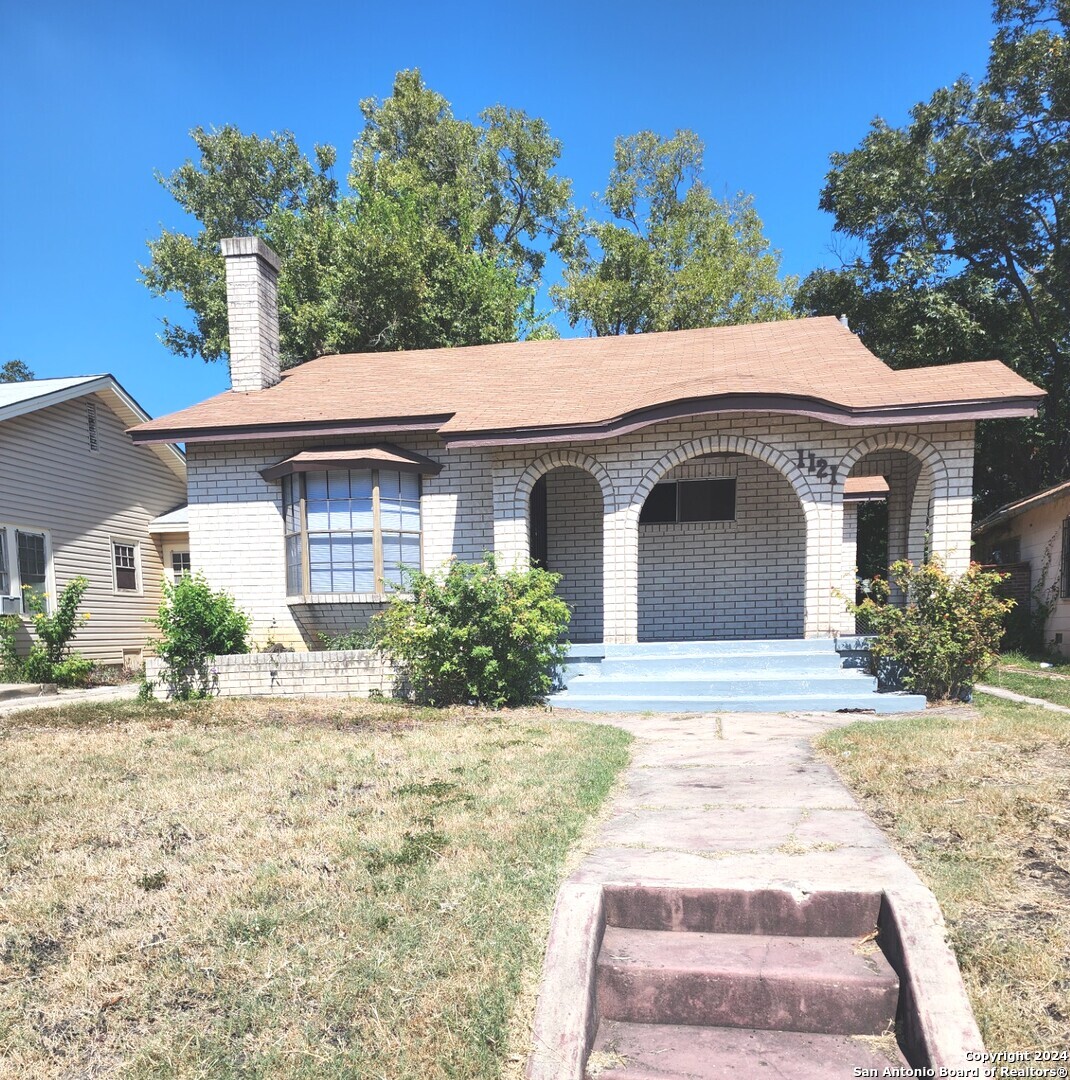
x: 747, y: 532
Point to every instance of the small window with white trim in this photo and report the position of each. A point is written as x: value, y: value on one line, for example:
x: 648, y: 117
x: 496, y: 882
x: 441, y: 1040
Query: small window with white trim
x: 25, y: 563
x: 125, y: 560
x: 33, y: 561
x: 180, y: 564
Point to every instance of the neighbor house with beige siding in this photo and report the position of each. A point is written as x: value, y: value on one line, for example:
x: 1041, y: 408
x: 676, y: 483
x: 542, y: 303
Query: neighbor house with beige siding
x: 688, y: 486
x: 1030, y: 539
x: 77, y: 497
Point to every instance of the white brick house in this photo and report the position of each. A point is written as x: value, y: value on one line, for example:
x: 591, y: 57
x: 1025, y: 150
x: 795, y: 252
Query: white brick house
x: 698, y: 485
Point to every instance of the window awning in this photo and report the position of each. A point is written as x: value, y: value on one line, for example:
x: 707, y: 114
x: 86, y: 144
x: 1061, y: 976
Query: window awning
x: 865, y: 489
x: 380, y: 456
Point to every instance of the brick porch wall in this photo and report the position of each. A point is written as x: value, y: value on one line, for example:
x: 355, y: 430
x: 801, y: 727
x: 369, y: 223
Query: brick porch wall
x: 726, y: 579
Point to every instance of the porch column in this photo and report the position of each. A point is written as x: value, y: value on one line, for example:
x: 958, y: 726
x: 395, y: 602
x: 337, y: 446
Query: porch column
x: 824, y: 567
x: 510, y: 524
x: 849, y: 564
x: 953, y: 510
x: 620, y: 575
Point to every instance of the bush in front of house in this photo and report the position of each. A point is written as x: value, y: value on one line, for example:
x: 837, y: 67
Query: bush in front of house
x: 476, y: 635
x: 196, y: 624
x: 947, y: 634
x: 50, y: 659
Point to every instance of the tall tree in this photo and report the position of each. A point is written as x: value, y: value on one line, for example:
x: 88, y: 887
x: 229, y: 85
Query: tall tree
x: 439, y: 239
x: 15, y: 371
x: 961, y: 215
x: 671, y: 256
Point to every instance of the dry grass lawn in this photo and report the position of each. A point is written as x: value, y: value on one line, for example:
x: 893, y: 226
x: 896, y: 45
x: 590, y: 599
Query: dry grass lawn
x: 977, y: 802
x: 254, y: 889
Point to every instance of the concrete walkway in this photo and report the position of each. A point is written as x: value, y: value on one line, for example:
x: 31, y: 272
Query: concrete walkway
x: 61, y: 698
x: 741, y: 800
x: 1010, y: 695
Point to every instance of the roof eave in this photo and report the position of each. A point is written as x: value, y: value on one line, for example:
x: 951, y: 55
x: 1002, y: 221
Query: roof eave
x: 830, y: 412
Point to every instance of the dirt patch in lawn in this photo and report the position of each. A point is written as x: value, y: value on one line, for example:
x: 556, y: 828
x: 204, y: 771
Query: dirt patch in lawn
x: 978, y: 801
x: 284, y: 889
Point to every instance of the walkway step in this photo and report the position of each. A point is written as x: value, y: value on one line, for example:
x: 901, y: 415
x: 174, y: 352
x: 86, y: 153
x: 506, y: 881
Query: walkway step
x: 625, y: 1051
x: 817, y: 984
x: 723, y: 684
x: 827, y: 913
x: 812, y: 646
x: 815, y: 702
x: 729, y: 662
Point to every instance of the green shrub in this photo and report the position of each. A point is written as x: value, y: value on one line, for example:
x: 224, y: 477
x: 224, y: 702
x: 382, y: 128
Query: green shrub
x: 361, y: 637
x: 55, y: 631
x: 947, y: 634
x: 195, y: 625
x: 50, y: 659
x: 10, y: 661
x: 476, y: 635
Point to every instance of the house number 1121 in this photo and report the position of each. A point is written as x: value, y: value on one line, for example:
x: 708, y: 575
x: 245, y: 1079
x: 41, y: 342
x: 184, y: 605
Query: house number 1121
x: 818, y: 466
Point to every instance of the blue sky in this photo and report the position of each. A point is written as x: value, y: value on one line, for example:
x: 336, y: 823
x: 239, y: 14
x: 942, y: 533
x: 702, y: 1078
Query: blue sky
x: 94, y: 97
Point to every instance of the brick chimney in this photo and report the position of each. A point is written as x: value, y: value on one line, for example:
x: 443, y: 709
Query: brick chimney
x: 252, y: 312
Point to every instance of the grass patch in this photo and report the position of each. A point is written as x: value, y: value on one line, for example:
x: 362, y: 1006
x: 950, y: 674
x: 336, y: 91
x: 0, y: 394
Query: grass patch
x: 976, y: 801
x: 1024, y: 675
x: 283, y: 889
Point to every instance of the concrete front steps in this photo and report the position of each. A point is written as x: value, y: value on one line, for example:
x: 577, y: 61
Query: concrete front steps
x: 694, y: 985
x: 723, y: 676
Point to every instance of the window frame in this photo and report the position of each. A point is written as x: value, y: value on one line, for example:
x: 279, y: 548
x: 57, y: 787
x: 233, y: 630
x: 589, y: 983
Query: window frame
x: 294, y: 492
x: 9, y: 530
x: 139, y: 581
x: 677, y: 484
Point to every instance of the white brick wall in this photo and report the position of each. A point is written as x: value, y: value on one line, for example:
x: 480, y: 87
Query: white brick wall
x: 574, y: 547
x: 355, y: 673
x: 726, y: 579
x: 479, y: 501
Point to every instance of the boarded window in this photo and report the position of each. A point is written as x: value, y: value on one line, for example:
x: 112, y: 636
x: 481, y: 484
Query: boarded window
x: 690, y: 500
x: 660, y: 505
x: 125, y: 567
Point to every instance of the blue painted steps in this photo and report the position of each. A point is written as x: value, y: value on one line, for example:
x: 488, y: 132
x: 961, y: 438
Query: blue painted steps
x: 724, y: 676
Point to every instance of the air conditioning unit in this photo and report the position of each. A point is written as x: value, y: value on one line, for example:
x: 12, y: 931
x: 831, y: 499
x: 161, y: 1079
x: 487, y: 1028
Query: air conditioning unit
x: 10, y: 605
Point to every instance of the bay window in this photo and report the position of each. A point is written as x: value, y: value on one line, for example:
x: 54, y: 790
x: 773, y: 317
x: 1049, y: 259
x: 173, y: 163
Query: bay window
x: 350, y: 531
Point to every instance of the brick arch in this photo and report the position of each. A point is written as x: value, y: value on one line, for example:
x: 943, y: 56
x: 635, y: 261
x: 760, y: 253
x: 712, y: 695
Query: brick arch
x: 724, y: 444
x: 925, y: 520
x: 917, y: 447
x: 557, y: 459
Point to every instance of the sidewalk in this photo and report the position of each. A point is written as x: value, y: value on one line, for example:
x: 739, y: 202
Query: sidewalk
x: 741, y: 801
x: 61, y: 698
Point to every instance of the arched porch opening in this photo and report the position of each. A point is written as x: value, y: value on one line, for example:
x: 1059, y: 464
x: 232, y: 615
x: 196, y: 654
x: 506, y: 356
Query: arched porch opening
x: 722, y: 548
x: 565, y: 536
x: 900, y: 522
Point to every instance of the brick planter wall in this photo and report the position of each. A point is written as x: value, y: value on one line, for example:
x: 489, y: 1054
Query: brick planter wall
x: 350, y: 673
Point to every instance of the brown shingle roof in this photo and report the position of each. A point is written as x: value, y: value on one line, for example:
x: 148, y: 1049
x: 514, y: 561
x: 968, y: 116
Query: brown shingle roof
x: 590, y: 387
